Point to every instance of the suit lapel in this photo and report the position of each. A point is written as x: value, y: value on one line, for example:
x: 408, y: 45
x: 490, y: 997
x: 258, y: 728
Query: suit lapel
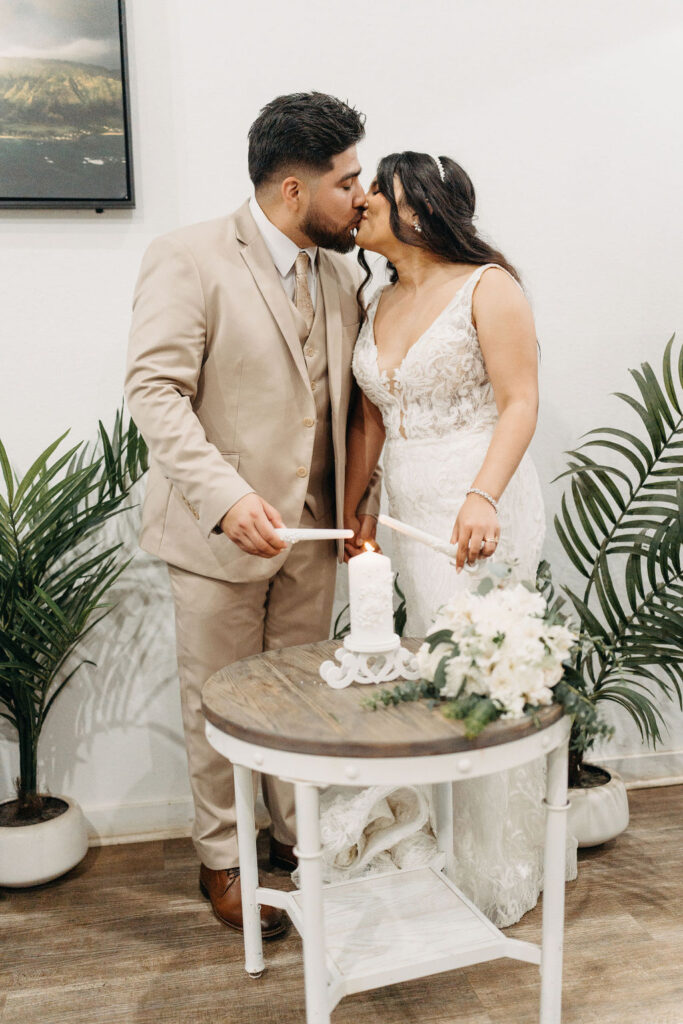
x: 327, y: 279
x: 256, y: 256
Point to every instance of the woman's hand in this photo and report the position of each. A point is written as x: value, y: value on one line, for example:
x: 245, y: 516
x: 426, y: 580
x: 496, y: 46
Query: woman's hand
x: 364, y: 529
x: 476, y: 531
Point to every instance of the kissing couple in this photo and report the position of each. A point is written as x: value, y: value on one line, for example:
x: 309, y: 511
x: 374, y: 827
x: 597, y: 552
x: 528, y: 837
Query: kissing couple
x: 268, y: 376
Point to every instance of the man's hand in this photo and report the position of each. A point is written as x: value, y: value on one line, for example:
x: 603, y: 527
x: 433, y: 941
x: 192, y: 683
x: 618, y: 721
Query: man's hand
x: 364, y: 529
x: 250, y: 524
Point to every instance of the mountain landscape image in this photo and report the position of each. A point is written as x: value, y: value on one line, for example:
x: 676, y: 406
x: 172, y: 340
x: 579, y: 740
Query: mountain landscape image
x: 61, y: 132
x: 64, y: 133
x: 49, y: 99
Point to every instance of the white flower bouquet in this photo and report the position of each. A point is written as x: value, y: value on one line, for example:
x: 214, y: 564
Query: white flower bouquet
x: 495, y: 652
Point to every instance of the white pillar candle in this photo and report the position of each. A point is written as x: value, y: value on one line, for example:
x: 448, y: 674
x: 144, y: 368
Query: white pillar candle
x: 371, y: 599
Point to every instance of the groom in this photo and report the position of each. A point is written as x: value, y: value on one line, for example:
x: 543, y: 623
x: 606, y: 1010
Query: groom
x: 239, y: 380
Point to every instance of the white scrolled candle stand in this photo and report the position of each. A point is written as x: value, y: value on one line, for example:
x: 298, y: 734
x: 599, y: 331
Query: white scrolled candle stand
x: 372, y: 651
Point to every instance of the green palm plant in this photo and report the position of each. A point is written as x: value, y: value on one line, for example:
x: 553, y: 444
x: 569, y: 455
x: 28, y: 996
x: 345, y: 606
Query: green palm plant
x: 54, y: 575
x: 621, y: 526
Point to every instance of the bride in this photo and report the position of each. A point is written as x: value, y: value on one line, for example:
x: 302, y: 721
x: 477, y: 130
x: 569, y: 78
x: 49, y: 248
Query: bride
x: 446, y: 361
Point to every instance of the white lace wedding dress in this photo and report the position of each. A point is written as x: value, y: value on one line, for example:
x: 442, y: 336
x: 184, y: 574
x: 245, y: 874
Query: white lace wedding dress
x: 439, y: 414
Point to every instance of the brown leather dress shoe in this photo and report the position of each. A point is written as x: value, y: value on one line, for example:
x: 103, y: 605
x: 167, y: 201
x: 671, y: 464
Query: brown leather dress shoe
x: 224, y: 890
x: 282, y: 856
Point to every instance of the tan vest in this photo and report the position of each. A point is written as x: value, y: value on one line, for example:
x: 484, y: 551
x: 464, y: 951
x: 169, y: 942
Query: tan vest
x: 320, y: 494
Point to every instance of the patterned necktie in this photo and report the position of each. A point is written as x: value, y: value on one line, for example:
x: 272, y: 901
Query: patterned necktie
x: 302, y: 296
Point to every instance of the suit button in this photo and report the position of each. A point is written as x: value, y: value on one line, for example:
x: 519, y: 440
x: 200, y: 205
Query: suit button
x: 314, y: 385
x: 308, y: 351
x: 308, y: 422
x: 301, y: 471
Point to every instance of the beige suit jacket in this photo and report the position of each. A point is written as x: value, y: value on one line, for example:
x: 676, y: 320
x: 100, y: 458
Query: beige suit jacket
x: 218, y: 386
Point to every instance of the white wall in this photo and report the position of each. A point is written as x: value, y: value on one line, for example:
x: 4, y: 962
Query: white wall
x: 567, y: 118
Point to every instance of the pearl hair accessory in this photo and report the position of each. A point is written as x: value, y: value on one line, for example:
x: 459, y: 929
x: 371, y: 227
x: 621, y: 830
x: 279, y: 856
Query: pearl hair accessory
x: 417, y: 227
x: 442, y: 173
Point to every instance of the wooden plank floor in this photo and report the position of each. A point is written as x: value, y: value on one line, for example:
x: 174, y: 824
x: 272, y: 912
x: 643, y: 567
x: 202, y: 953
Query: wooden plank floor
x: 126, y: 938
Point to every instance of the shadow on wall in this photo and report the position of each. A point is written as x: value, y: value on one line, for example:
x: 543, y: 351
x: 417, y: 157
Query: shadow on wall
x: 131, y: 690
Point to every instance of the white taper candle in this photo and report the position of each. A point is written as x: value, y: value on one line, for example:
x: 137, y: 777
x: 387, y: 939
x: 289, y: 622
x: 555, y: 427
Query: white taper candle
x: 294, y: 534
x: 421, y: 535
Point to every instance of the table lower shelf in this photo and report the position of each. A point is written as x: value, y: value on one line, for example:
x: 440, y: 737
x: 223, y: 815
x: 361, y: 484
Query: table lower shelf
x: 398, y: 926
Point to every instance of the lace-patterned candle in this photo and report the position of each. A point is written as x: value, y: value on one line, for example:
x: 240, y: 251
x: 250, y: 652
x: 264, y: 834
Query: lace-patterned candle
x: 371, y: 599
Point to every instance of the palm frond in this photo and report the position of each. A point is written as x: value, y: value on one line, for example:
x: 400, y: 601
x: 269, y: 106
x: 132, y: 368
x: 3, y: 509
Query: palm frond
x: 54, y: 569
x: 621, y: 526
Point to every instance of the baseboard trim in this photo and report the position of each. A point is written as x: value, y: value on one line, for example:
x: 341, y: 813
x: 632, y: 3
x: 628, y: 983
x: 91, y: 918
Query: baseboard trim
x: 643, y: 771
x: 137, y: 823
x: 654, y: 783
x: 110, y: 824
x: 139, y: 837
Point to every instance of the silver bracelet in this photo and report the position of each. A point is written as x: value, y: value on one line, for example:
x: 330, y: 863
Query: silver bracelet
x: 484, y: 494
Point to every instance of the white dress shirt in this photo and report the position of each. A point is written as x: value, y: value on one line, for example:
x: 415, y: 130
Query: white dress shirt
x: 284, y: 253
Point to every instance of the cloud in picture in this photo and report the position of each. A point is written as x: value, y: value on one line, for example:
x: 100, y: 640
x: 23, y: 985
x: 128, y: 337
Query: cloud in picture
x: 83, y: 31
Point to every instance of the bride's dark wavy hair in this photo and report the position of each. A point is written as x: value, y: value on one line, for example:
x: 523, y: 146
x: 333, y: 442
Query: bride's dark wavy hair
x: 445, y: 210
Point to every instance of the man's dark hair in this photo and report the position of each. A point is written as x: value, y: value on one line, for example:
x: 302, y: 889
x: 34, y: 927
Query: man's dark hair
x: 303, y: 129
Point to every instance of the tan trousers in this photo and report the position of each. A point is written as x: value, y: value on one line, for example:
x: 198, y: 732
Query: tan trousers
x: 218, y: 623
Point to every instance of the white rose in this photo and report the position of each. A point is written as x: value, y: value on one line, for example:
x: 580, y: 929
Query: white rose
x: 560, y: 640
x: 477, y: 684
x: 456, y: 673
x: 505, y: 676
x: 490, y: 621
x: 531, y: 651
x: 552, y: 674
x: 512, y: 702
x: 526, y: 602
x: 429, y: 662
x: 540, y: 695
x: 458, y: 611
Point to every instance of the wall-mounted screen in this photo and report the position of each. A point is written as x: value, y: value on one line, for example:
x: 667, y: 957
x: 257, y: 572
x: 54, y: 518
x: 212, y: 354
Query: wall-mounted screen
x: 64, y: 108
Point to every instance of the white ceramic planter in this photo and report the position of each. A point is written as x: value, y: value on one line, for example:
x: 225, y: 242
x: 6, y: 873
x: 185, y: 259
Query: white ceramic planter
x: 33, y: 854
x: 598, y: 813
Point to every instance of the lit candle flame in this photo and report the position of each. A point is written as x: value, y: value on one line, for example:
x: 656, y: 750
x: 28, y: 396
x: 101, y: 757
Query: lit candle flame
x: 369, y: 546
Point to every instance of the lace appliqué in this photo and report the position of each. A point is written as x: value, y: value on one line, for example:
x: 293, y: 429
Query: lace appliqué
x: 441, y: 385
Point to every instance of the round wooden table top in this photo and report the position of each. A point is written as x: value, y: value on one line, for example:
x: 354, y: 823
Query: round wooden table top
x: 278, y: 699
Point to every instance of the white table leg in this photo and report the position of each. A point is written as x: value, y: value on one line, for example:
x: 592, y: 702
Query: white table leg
x: 442, y: 795
x: 309, y: 852
x: 553, y: 886
x: 246, y: 841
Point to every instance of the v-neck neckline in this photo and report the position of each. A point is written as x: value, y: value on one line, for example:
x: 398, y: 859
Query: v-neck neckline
x: 392, y: 371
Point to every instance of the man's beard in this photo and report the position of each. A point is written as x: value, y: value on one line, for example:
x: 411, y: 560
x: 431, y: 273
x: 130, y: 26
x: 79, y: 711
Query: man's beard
x: 322, y: 233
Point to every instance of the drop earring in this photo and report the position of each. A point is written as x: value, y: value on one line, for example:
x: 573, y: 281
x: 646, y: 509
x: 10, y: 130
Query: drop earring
x: 417, y: 227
